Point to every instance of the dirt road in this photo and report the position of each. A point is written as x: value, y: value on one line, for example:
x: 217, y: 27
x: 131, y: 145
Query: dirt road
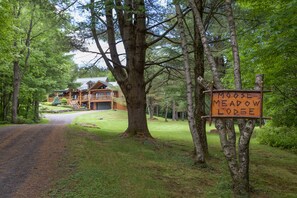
x: 30, y: 156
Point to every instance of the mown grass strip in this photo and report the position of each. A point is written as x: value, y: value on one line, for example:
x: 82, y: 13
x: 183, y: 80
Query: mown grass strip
x: 103, y: 164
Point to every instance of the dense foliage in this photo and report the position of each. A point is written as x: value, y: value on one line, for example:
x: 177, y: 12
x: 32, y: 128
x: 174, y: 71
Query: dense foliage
x: 267, y: 35
x: 267, y: 45
x: 283, y: 137
x: 33, y: 37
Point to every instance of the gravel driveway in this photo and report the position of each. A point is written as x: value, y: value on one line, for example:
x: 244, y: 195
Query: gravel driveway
x: 30, y: 156
x: 65, y: 118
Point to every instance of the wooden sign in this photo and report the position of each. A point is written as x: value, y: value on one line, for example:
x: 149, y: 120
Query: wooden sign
x: 236, y: 104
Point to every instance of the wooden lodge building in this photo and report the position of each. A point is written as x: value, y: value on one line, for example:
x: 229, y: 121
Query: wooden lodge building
x: 93, y: 94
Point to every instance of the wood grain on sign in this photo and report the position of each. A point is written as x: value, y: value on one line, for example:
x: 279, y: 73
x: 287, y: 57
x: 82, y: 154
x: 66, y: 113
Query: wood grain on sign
x: 236, y: 104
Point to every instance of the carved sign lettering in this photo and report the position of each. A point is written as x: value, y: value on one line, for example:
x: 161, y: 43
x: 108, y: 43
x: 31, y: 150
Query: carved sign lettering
x: 236, y: 104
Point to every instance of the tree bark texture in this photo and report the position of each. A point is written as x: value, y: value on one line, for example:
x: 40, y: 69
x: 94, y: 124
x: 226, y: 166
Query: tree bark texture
x: 210, y: 58
x: 234, y: 45
x: 199, y: 95
x: 136, y: 106
x: 166, y: 112
x: 16, y: 90
x: 219, y: 59
x: 150, y: 107
x: 173, y: 111
x: 200, y: 158
x: 16, y: 73
x: 36, y: 110
x: 130, y: 19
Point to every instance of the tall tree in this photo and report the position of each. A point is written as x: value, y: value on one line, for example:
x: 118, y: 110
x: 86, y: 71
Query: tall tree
x: 128, y: 22
x: 6, y: 39
x: 17, y: 9
x: 200, y: 158
x: 238, y: 160
x: 36, y: 45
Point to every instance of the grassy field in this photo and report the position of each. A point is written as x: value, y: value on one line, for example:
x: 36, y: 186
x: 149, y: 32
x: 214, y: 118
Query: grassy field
x: 99, y: 163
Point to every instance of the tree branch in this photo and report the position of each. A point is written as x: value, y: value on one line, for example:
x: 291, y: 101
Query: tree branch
x: 94, y: 32
x: 206, y: 85
x: 163, y: 35
x: 156, y: 25
x: 234, y: 45
x: 283, y: 94
x: 154, y: 76
x: 165, y: 61
x: 211, y: 13
x: 64, y: 9
x: 169, y: 39
x: 206, y: 47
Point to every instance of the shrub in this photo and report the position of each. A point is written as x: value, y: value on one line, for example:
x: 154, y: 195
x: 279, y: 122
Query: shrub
x: 63, y: 101
x: 22, y: 120
x: 4, y: 122
x: 283, y: 137
x: 56, y: 101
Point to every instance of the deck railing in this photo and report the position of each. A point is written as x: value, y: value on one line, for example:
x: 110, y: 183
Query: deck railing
x: 93, y: 97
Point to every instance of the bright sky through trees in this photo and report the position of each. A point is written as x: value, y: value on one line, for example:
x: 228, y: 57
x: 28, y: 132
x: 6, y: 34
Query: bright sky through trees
x: 87, y: 58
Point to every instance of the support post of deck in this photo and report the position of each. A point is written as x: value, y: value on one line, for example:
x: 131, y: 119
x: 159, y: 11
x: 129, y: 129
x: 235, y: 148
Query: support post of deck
x: 89, y: 99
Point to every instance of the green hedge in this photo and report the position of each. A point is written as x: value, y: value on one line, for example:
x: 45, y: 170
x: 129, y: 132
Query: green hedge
x: 282, y: 137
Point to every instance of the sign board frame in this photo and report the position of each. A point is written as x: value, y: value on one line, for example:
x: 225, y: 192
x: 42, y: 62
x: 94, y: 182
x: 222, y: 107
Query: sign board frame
x: 227, y: 103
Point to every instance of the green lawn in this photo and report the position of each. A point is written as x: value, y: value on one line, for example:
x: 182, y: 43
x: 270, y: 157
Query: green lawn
x: 99, y: 163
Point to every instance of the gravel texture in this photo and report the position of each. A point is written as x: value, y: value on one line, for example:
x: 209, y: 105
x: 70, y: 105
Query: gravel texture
x: 30, y: 156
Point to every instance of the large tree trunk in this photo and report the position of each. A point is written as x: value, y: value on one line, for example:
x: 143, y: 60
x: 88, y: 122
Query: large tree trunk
x: 199, y: 95
x: 130, y: 18
x: 136, y: 104
x: 16, y: 90
x: 200, y: 158
x: 36, y: 110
